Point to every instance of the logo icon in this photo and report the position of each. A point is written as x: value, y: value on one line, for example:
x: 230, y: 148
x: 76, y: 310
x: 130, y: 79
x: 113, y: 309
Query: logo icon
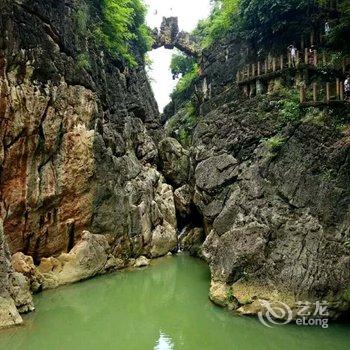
x: 277, y: 313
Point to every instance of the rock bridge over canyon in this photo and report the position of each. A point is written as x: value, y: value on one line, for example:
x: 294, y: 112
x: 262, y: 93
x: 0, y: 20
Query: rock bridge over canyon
x: 169, y: 36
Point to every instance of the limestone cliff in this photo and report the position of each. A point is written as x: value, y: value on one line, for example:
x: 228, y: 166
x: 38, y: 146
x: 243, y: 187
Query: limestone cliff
x: 78, y: 134
x: 273, y: 193
x: 15, y: 293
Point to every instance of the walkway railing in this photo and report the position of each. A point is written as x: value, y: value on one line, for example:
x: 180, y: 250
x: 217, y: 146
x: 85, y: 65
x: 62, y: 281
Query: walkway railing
x: 322, y: 92
x: 276, y: 64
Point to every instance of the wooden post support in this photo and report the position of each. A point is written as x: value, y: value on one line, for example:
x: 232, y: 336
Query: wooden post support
x: 315, y: 58
x: 298, y: 59
x: 274, y: 64
x: 281, y: 62
x: 302, y: 92
x: 259, y: 68
x: 265, y: 66
x: 253, y: 69
x: 245, y: 90
x: 289, y: 60
x: 237, y: 77
x: 341, y: 92
x: 328, y: 92
x: 248, y: 72
x: 337, y: 87
x: 306, y: 56
x: 314, y: 91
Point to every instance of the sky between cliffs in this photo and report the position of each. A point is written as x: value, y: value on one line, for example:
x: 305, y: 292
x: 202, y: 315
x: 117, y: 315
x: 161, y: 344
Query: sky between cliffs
x: 189, y: 13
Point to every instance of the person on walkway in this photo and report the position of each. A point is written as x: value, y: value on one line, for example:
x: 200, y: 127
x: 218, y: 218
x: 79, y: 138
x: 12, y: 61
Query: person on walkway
x: 311, y: 55
x: 327, y: 28
x: 347, y: 88
x: 293, y: 54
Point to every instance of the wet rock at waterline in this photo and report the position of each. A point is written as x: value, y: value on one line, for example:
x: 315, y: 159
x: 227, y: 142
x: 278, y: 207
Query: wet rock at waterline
x: 15, y: 296
x: 191, y: 240
x: 273, y: 194
x: 142, y: 261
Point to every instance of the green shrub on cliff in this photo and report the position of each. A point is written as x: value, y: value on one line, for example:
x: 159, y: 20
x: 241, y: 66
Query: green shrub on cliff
x: 340, y: 33
x: 289, y: 107
x: 83, y: 61
x: 185, y: 87
x: 123, y: 28
x: 274, y: 144
x: 181, y: 64
x: 81, y: 18
x: 182, y: 124
x: 270, y: 25
x: 220, y: 22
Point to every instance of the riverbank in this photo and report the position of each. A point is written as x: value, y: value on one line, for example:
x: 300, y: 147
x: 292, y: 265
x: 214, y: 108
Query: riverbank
x: 165, y: 306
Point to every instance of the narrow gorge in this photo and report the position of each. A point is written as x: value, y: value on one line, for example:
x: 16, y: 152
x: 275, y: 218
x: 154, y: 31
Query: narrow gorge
x: 247, y: 168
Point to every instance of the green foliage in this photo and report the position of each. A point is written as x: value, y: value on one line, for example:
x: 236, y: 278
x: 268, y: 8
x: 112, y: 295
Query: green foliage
x: 187, y: 124
x: 222, y: 20
x: 80, y: 18
x: 182, y: 124
x: 347, y: 245
x: 185, y: 87
x: 328, y: 174
x: 274, y: 144
x: 289, y: 107
x: 270, y: 25
x: 346, y: 293
x: 184, y: 137
x: 123, y: 27
x: 230, y: 296
x: 340, y: 33
x: 83, y: 61
x: 181, y: 64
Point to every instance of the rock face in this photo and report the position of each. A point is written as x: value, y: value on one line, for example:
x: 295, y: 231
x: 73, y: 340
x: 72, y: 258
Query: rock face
x: 80, y: 192
x: 175, y: 161
x: 273, y: 193
x: 15, y: 296
x: 78, y: 135
x: 169, y: 36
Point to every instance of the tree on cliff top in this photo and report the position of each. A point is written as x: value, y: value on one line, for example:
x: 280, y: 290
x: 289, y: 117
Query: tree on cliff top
x: 181, y: 64
x: 270, y: 25
x: 339, y: 36
x: 123, y: 28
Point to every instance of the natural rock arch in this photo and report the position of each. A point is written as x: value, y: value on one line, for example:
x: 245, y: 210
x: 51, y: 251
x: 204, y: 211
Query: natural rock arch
x: 169, y: 36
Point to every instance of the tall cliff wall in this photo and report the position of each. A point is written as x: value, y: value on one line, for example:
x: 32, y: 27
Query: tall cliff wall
x: 78, y: 134
x: 272, y: 187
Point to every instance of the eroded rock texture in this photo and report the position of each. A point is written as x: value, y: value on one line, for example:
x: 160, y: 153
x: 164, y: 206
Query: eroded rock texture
x: 276, y: 214
x: 169, y: 36
x: 15, y: 296
x: 78, y: 135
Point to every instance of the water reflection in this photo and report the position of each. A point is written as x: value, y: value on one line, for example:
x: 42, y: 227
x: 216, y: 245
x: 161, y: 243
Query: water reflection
x: 165, y: 306
x: 164, y: 342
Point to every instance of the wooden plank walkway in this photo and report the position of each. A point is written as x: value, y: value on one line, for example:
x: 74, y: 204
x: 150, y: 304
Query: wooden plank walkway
x: 274, y: 66
x: 311, y: 62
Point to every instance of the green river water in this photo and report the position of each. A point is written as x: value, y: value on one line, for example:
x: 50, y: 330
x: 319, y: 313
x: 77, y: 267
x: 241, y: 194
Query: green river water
x: 165, y: 306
